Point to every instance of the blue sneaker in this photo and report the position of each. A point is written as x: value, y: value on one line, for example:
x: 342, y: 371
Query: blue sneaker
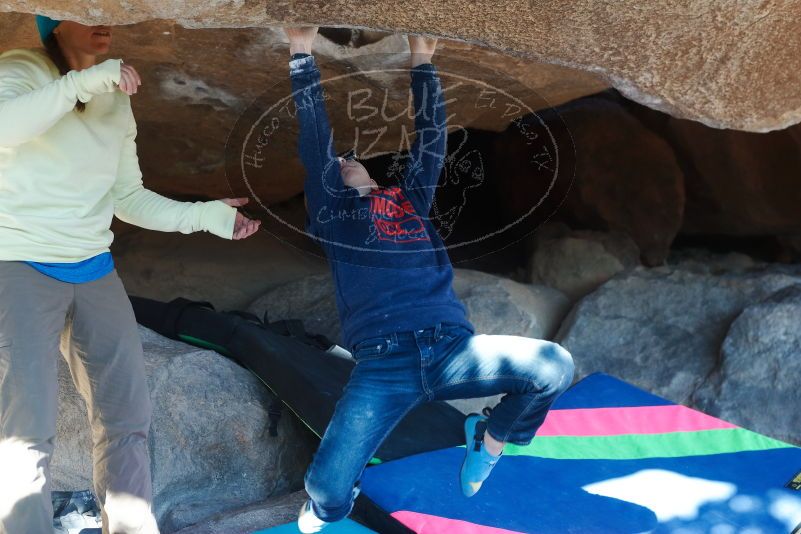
x: 478, y: 463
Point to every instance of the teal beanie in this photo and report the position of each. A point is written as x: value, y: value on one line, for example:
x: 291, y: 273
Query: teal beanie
x: 46, y: 26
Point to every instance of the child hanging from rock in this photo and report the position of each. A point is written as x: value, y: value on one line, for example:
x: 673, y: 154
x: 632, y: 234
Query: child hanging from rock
x: 406, y: 329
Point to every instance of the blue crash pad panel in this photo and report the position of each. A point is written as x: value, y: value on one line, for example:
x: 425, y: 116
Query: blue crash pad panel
x: 346, y: 526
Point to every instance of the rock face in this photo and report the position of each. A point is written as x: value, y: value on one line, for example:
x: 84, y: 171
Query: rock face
x: 203, y: 267
x: 627, y: 177
x: 310, y: 298
x: 755, y: 384
x: 203, y: 89
x: 739, y: 183
x: 577, y: 263
x: 272, y: 513
x: 495, y: 305
x: 662, y: 329
x: 701, y: 261
x: 209, y: 446
x: 691, y: 61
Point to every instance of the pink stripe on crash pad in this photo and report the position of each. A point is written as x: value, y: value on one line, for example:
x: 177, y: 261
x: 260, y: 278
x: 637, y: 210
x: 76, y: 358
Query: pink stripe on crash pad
x: 433, y: 524
x: 630, y: 420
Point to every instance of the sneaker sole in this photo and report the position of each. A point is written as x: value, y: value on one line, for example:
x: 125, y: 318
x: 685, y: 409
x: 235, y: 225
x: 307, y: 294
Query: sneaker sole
x: 468, y: 436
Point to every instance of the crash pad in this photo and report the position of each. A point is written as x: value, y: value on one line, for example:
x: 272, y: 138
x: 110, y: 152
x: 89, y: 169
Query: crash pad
x: 609, y: 458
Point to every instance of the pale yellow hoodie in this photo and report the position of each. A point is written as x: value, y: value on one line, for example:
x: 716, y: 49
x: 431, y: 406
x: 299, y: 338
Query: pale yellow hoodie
x: 65, y: 174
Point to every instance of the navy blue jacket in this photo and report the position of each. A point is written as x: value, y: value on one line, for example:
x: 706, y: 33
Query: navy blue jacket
x: 390, y: 267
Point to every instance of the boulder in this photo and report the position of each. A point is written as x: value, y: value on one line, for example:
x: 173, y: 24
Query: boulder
x: 576, y: 263
x: 209, y: 446
x: 790, y: 248
x: 310, y: 299
x: 274, y: 512
x: 495, y: 305
x: 755, y: 384
x: 662, y: 328
x: 738, y: 183
x: 205, y: 88
x: 627, y: 177
x: 702, y: 261
x: 229, y: 274
x: 691, y: 60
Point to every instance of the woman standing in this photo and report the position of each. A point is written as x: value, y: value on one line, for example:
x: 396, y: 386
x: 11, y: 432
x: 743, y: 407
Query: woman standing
x: 68, y: 164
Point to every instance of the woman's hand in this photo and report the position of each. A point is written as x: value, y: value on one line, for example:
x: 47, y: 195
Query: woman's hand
x: 300, y: 38
x: 129, y: 79
x: 243, y: 227
x: 422, y: 49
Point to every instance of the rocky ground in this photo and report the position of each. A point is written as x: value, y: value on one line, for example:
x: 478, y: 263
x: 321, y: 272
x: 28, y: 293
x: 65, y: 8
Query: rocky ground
x: 623, y: 274
x: 209, y: 446
x: 717, y: 332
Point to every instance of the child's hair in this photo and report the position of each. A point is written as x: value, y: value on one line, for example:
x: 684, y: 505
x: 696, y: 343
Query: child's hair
x: 57, y: 56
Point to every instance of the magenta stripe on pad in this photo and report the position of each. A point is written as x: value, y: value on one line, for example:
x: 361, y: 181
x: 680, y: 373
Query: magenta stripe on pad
x: 433, y: 524
x: 630, y: 420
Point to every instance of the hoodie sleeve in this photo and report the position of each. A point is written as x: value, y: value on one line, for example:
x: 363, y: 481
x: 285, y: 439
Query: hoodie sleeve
x: 28, y: 108
x: 427, y: 155
x: 323, y: 185
x: 141, y: 207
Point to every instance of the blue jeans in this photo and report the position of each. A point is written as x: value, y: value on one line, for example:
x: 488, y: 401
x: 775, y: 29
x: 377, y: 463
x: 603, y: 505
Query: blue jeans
x: 396, y: 372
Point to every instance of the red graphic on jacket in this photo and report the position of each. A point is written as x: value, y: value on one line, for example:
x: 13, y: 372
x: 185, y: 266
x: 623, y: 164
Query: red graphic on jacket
x: 394, y: 217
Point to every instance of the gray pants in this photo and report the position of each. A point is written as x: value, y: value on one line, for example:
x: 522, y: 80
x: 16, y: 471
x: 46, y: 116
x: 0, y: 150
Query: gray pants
x: 96, y: 329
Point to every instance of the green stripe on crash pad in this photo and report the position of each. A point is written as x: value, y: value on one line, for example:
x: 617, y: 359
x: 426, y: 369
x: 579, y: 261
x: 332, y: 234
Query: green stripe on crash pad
x: 635, y: 446
x: 346, y: 526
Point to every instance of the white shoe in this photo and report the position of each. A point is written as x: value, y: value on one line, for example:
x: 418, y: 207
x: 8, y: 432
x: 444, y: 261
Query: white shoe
x: 74, y: 523
x: 308, y: 522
